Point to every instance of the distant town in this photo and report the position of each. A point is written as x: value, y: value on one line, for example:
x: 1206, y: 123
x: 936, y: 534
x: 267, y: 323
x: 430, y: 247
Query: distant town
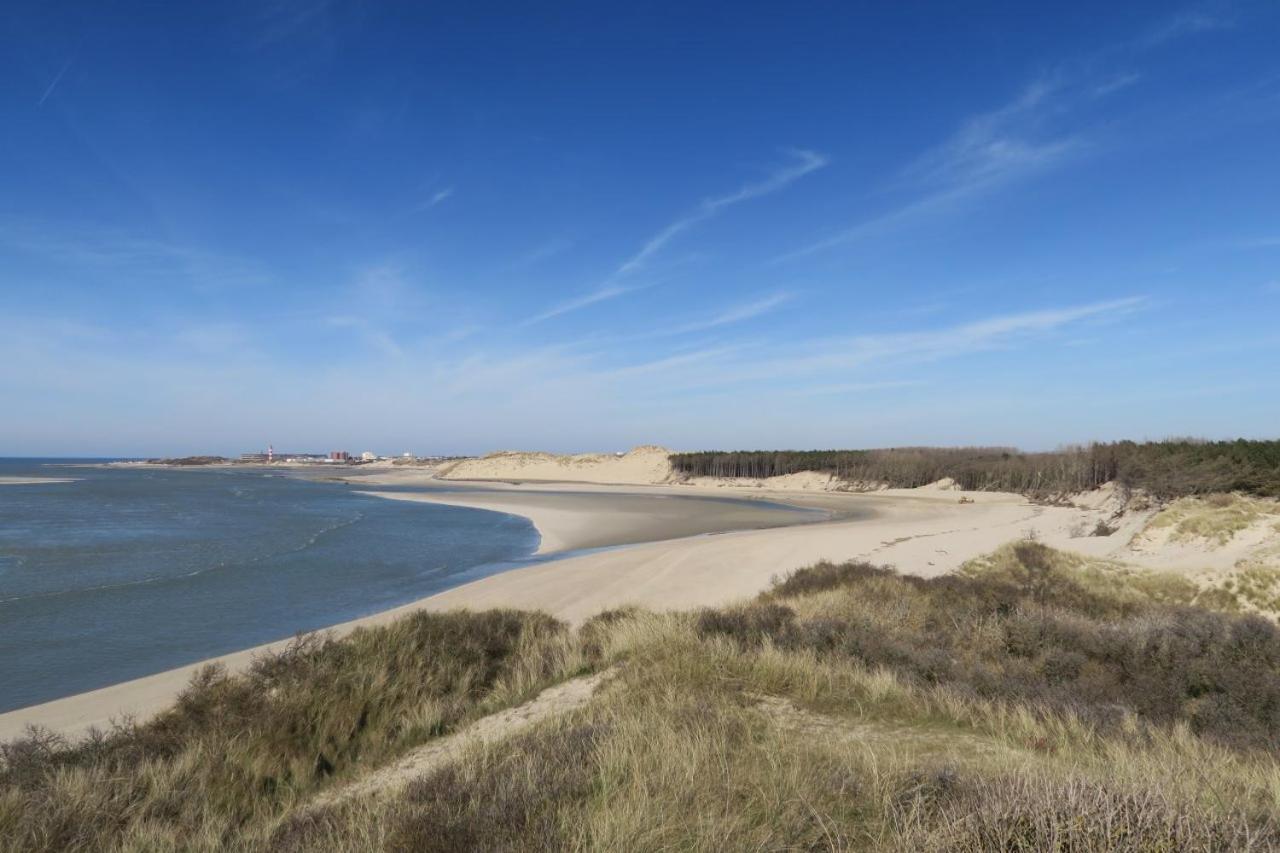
x: 335, y: 457
x: 271, y: 456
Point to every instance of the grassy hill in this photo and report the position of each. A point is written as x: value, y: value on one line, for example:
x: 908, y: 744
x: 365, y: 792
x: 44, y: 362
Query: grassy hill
x: 1032, y: 701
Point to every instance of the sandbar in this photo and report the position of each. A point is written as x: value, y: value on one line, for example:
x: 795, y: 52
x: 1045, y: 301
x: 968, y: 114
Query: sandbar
x: 35, y: 481
x: 920, y: 533
x: 571, y: 521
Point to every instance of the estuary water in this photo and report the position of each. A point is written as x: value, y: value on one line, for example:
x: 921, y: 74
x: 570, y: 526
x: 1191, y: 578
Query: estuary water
x: 127, y: 572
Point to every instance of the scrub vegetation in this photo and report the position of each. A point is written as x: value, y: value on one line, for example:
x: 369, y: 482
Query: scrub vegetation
x: 1164, y: 469
x: 1215, y: 518
x: 1035, y: 700
x: 236, y: 751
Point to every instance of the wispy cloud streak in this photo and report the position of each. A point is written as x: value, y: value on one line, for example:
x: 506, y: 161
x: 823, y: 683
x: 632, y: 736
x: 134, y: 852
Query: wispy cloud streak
x: 1187, y: 22
x: 808, y: 161
x: 228, y: 371
x: 95, y: 247
x: 729, y: 316
x: 988, y: 150
x: 805, y: 163
x: 608, y: 291
x: 966, y: 338
x: 54, y: 84
x: 821, y: 361
x: 543, y: 252
x: 736, y: 314
x: 994, y: 146
x: 435, y: 199
x: 1022, y: 138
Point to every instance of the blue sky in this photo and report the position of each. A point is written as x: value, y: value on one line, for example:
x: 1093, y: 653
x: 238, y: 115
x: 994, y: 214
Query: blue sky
x: 574, y: 226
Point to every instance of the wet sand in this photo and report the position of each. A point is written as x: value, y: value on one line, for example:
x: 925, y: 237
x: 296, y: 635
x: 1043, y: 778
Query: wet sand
x: 918, y: 531
x: 566, y: 521
x: 34, y: 481
x: 571, y: 521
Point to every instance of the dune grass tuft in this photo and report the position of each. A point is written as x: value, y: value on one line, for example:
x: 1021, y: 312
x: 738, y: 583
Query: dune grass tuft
x: 1216, y: 518
x: 238, y: 750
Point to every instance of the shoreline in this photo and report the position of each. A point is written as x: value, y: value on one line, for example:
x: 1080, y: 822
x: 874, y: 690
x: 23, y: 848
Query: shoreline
x: 565, y: 523
x: 141, y: 697
x: 36, y: 481
x: 920, y: 532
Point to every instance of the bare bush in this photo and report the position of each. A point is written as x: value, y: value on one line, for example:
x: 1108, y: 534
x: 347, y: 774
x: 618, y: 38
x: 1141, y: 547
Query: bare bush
x: 950, y: 812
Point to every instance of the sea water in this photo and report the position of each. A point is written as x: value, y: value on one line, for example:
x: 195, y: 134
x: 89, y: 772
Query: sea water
x: 129, y: 571
x: 132, y: 571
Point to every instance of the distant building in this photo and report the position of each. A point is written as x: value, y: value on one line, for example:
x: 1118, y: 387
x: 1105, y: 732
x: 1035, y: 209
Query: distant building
x: 339, y: 456
x: 368, y: 456
x: 277, y: 456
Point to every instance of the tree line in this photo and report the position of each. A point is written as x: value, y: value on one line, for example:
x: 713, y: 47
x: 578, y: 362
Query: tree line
x: 1166, y: 469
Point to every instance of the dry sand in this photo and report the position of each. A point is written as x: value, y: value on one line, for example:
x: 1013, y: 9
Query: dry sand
x: 569, y: 521
x: 925, y: 531
x: 925, y: 534
x: 644, y: 465
x: 389, y: 780
x: 35, y: 481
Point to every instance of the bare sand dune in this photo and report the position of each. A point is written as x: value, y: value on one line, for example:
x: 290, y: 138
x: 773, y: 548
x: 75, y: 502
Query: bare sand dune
x: 928, y: 535
x: 640, y: 466
x: 691, y: 571
x: 924, y: 531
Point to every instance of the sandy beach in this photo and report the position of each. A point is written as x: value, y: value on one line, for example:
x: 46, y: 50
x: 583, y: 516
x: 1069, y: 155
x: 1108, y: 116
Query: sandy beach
x: 657, y: 549
x: 576, y: 520
x: 660, y: 550
x: 921, y: 531
x: 34, y: 481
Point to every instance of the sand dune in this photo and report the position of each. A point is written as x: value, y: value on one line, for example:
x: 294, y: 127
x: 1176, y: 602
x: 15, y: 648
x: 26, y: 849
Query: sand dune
x: 928, y: 535
x: 639, y: 466
x: 925, y: 531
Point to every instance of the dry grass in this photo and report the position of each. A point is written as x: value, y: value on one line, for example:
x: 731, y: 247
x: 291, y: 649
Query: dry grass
x: 1109, y: 580
x: 1215, y: 519
x: 235, y: 752
x: 959, y: 813
x: 1035, y: 702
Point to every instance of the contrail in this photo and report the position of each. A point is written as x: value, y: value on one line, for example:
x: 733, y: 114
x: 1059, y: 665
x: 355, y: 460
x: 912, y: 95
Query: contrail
x: 54, y: 84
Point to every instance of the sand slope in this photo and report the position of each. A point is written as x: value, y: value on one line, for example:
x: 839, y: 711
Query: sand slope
x: 924, y: 531
x: 390, y: 780
x: 690, y: 572
x: 639, y: 466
